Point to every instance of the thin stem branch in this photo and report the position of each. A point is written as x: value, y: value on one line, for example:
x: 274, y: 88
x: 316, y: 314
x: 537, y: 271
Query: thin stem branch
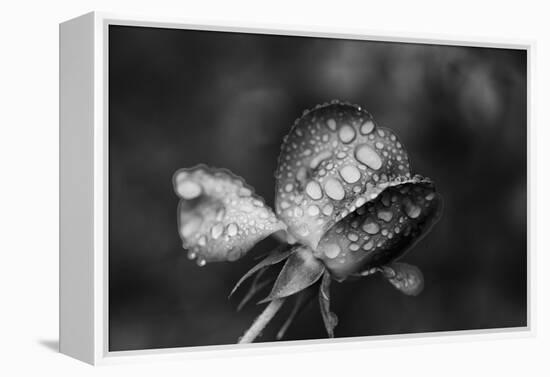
x: 262, y: 320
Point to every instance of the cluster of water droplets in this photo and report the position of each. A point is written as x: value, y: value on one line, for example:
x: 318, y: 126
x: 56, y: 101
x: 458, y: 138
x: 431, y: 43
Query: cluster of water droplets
x: 219, y: 216
x: 333, y: 161
x: 381, y: 230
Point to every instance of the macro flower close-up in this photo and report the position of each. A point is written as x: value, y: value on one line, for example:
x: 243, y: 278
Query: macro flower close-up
x: 347, y: 205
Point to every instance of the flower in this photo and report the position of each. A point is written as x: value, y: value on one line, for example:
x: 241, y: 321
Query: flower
x: 346, y: 206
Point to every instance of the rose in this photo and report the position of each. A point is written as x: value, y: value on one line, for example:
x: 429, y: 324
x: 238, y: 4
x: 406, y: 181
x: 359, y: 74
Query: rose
x: 346, y: 205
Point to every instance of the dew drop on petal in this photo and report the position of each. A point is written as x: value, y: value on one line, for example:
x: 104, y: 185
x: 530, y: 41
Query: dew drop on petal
x: 411, y: 209
x: 189, y: 190
x: 371, y: 227
x: 334, y: 189
x: 202, y: 241
x: 331, y: 124
x: 368, y: 156
x: 313, y: 189
x: 353, y: 237
x: 332, y: 250
x: 350, y: 174
x: 368, y: 246
x: 232, y: 230
x: 367, y: 127
x: 327, y: 209
x: 385, y: 215
x: 216, y: 231
x: 313, y: 210
x: 346, y: 134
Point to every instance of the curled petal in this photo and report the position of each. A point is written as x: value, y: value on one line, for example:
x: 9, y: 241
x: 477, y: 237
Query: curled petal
x: 219, y: 216
x: 405, y: 277
x: 334, y: 160
x: 300, y: 271
x: 381, y: 230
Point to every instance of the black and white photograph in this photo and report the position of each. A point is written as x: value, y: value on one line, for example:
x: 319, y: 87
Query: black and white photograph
x: 278, y: 188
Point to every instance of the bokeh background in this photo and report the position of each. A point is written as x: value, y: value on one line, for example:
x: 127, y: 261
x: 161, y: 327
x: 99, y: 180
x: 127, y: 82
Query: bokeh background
x: 180, y: 97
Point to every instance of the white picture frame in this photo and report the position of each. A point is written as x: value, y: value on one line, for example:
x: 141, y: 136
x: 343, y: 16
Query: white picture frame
x: 84, y: 180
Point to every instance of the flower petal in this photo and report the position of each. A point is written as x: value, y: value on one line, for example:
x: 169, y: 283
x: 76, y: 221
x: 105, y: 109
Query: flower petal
x: 334, y: 159
x: 300, y: 271
x: 381, y: 230
x: 219, y: 216
x: 405, y: 277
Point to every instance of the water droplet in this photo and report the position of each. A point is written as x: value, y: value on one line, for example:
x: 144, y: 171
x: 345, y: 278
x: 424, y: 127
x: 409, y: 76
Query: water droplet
x: 379, y: 145
x: 411, y: 209
x: 367, y: 127
x: 201, y: 262
x: 202, y: 241
x: 371, y: 227
x: 327, y: 210
x: 334, y: 189
x: 232, y: 230
x: 285, y: 204
x: 289, y: 187
x: 368, y: 156
x: 385, y: 215
x: 381, y: 133
x: 216, y: 231
x: 384, y: 232
x: 354, y: 247
x: 350, y: 174
x: 430, y: 196
x: 298, y: 212
x: 332, y: 250
x: 313, y: 210
x: 313, y: 189
x: 346, y: 134
x: 331, y: 124
x: 189, y: 189
x: 368, y: 245
x: 353, y: 237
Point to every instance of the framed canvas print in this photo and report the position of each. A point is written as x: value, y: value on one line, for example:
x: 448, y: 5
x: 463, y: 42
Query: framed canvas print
x: 232, y: 189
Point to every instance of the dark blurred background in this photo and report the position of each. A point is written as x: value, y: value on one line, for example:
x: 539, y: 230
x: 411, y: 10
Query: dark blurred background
x: 179, y: 97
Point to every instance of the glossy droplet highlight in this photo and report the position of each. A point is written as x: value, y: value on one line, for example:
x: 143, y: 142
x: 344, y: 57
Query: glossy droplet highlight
x: 385, y: 215
x: 346, y: 134
x: 334, y: 189
x: 367, y: 127
x: 232, y: 230
x: 313, y: 189
x: 368, y: 156
x: 331, y: 124
x: 332, y: 250
x: 350, y: 174
x: 313, y: 210
x: 371, y: 227
x: 216, y: 231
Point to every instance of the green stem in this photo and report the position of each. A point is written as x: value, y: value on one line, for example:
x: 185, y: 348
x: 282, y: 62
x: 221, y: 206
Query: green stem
x: 263, y: 319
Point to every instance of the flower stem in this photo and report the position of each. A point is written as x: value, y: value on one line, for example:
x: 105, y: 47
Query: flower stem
x: 262, y: 320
